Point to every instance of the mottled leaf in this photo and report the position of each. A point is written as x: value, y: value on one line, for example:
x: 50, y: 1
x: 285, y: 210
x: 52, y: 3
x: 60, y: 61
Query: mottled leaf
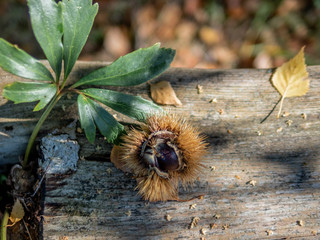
x: 92, y: 114
x: 132, y: 106
x: 17, y: 212
x: 46, y: 21
x: 132, y: 69
x: 18, y: 62
x: 78, y: 18
x: 19, y: 92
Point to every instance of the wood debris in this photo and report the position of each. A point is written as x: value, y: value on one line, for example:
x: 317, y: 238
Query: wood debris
x: 200, y: 89
x: 300, y: 223
x: 269, y: 232
x: 237, y: 177
x: 79, y: 130
x: 304, y: 116
x: 203, y: 231
x: 213, y: 225
x: 194, y: 222
x: 109, y: 171
x: 279, y: 129
x: 212, y: 168
x: 213, y: 100
x: 225, y: 227
x: 128, y: 213
x: 285, y: 114
x: 259, y: 133
x: 220, y: 111
x: 193, y: 206
x: 168, y: 217
x: 252, y: 182
x: 289, y: 122
x: 217, y: 216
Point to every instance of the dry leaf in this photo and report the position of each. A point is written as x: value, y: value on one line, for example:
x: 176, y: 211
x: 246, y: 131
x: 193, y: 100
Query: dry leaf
x: 17, y: 212
x: 291, y: 79
x: 163, y: 93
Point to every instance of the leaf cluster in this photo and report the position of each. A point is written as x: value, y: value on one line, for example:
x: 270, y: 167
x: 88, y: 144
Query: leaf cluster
x: 62, y: 28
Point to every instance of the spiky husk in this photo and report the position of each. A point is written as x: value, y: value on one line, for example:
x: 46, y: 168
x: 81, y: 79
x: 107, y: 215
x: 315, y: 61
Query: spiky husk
x: 191, y: 146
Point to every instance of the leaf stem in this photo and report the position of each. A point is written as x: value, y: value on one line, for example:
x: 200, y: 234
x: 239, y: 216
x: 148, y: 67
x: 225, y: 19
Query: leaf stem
x: 271, y: 111
x: 4, y: 224
x: 38, y: 126
x: 280, y: 108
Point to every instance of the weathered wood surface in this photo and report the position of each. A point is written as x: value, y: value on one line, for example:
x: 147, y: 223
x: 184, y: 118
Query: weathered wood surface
x: 95, y: 201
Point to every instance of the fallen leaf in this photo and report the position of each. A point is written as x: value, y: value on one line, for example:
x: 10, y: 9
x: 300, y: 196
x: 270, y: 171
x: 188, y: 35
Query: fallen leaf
x: 291, y: 79
x: 17, y: 212
x: 163, y: 93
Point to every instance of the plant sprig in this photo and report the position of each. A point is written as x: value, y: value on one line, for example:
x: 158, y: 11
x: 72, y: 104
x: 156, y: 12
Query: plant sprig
x: 62, y: 30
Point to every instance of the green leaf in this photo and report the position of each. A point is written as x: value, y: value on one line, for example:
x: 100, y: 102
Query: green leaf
x: 46, y: 21
x: 132, y: 106
x: 18, y: 62
x: 29, y: 92
x: 86, y: 119
x: 132, y: 69
x: 78, y: 18
x: 91, y: 114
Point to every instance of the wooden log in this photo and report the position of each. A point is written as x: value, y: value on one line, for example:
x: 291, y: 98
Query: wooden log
x: 262, y: 181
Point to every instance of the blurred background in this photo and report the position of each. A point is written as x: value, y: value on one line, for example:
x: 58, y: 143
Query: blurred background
x: 205, y: 33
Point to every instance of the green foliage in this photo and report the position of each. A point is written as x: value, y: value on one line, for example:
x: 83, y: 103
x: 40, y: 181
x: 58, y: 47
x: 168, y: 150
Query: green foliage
x: 29, y: 92
x: 62, y: 29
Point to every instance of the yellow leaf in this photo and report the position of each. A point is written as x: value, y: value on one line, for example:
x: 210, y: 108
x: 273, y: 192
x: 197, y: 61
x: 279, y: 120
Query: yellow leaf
x: 291, y: 79
x: 17, y: 212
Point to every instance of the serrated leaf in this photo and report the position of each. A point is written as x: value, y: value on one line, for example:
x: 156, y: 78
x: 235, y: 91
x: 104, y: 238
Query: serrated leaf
x: 91, y: 115
x: 46, y: 21
x: 78, y: 18
x: 132, y: 106
x: 20, y: 63
x: 17, y: 212
x: 132, y: 69
x: 19, y: 92
x: 291, y: 79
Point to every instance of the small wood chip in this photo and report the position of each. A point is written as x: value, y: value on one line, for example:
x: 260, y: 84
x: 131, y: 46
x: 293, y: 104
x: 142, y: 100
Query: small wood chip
x: 252, y: 182
x: 289, y: 122
x: 225, y: 227
x: 168, y: 217
x: 128, y: 213
x: 193, y: 206
x: 279, y: 129
x: 79, y: 130
x: 269, y: 232
x: 213, y: 225
x: 212, y: 168
x: 213, y: 100
x: 109, y: 171
x: 304, y: 116
x: 314, y: 232
x: 237, y: 177
x: 217, y: 216
x: 220, y: 111
x: 286, y: 114
x: 99, y: 191
x: 98, y: 147
x: 300, y: 223
x: 229, y: 131
x: 203, y: 231
x: 194, y: 222
x: 200, y: 89
x: 259, y: 133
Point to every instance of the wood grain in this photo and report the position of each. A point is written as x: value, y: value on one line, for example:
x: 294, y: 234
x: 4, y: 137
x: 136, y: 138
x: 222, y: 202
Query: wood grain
x: 99, y: 202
